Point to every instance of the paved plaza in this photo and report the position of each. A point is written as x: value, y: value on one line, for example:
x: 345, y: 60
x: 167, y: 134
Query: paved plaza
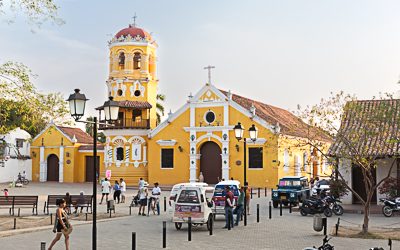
x: 291, y: 231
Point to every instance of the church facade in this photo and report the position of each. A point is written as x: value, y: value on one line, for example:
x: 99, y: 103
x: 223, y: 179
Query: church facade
x: 198, y: 137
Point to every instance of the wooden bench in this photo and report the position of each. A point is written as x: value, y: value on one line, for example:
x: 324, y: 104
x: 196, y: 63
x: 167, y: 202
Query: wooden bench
x: 51, y: 201
x: 20, y: 201
x: 82, y: 201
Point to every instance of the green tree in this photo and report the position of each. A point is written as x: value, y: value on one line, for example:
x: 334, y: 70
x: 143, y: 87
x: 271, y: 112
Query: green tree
x: 89, y: 129
x: 160, y: 107
x: 360, y: 129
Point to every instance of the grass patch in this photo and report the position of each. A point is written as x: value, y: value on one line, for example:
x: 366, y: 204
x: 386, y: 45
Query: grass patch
x: 373, y: 233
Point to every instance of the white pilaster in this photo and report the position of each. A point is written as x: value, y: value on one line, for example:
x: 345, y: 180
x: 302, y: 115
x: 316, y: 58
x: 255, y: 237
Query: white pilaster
x: 61, y: 165
x: 144, y: 155
x: 192, y: 115
x: 43, y: 170
x: 225, y: 154
x: 226, y: 116
x: 127, y: 153
x: 193, y: 157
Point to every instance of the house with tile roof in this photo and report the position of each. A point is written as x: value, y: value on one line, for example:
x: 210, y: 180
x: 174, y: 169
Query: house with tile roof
x: 64, y: 154
x: 369, y: 133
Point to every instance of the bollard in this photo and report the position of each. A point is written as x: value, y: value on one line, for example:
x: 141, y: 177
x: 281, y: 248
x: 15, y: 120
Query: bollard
x: 258, y: 192
x: 258, y: 213
x: 130, y: 210
x: 270, y: 210
x: 19, y: 210
x: 290, y: 207
x: 51, y: 219
x: 265, y: 192
x: 390, y: 244
x: 337, y: 226
x: 324, y: 223
x: 251, y: 193
x: 280, y: 207
x: 86, y: 216
x: 211, y: 224
x: 164, y: 234
x: 190, y: 229
x: 133, y: 241
x: 15, y: 223
x: 110, y: 212
x: 43, y: 245
x: 165, y: 204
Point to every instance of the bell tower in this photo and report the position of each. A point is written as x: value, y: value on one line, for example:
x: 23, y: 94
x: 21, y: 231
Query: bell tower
x: 132, y: 80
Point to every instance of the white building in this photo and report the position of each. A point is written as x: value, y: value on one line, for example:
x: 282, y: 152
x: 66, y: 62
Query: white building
x: 14, y: 155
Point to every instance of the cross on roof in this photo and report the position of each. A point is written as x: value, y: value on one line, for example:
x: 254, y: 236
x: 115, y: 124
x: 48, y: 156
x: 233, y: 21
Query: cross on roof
x: 134, y: 20
x: 209, y: 67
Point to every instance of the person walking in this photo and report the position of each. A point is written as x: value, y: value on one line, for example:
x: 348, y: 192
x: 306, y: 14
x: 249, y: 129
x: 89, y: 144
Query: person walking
x: 143, y: 193
x: 117, y: 191
x: 122, y: 185
x: 105, y: 190
x: 141, y: 183
x: 228, y: 207
x: 248, y: 198
x: 61, y: 224
x: 155, y: 199
x: 240, y: 206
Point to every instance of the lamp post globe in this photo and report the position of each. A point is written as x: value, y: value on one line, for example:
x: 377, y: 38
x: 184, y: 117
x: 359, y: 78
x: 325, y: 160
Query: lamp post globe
x: 238, y: 131
x: 253, y: 132
x: 111, y: 109
x: 77, y: 103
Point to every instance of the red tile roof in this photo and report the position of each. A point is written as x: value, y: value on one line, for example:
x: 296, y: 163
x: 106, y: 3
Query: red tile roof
x: 81, y: 136
x: 370, y: 127
x: 133, y: 32
x: 288, y: 122
x: 131, y: 104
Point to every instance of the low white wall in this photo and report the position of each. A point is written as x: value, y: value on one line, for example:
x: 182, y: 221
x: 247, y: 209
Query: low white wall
x: 345, y: 170
x: 12, y: 167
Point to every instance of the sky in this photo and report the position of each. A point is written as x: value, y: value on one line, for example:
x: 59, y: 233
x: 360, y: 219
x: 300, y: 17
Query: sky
x: 282, y: 53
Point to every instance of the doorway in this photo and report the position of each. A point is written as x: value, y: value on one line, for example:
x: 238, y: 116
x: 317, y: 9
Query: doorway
x: 53, y: 170
x: 211, y: 162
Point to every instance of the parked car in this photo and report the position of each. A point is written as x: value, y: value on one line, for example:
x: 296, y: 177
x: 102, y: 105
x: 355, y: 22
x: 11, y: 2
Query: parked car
x: 320, y: 186
x: 194, y: 202
x: 174, y: 192
x: 291, y: 189
x: 219, y: 195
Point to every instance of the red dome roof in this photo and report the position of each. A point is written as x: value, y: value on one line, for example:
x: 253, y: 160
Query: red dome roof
x: 133, y: 32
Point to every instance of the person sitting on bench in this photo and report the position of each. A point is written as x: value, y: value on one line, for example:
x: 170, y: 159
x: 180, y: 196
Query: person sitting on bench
x: 80, y: 202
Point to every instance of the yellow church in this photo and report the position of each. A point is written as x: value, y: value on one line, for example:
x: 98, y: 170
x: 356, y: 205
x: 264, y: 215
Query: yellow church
x: 197, y: 139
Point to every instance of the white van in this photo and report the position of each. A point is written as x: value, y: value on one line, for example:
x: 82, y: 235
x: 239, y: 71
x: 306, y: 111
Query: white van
x: 175, y: 189
x: 194, y: 202
x: 219, y: 195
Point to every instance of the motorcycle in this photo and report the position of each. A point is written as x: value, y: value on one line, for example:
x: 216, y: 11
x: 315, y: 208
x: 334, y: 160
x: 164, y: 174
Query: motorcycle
x: 325, y: 245
x: 390, y: 206
x: 315, y: 206
x: 334, y: 206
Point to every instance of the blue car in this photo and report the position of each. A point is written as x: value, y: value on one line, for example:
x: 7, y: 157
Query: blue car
x: 291, y: 189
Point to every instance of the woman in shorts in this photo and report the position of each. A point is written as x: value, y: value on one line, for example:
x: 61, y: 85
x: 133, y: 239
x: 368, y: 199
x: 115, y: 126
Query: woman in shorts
x: 143, y: 200
x: 61, y: 225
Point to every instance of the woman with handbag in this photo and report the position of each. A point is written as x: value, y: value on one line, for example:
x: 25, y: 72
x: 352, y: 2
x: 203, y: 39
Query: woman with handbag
x: 61, y: 224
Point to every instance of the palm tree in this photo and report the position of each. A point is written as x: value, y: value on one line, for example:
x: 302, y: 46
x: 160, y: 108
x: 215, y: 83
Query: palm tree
x: 160, y: 107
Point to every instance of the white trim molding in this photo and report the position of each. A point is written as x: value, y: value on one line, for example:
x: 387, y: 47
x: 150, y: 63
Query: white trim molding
x: 166, y: 142
x: 259, y: 141
x: 208, y: 128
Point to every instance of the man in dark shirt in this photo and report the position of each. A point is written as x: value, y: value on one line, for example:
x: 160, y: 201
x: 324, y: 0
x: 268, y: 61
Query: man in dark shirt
x: 228, y: 207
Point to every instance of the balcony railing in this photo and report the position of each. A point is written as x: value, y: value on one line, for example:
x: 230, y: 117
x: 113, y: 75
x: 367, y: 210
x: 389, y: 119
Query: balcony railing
x: 127, y: 124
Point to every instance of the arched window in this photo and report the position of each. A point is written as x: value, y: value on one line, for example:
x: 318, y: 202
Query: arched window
x: 121, y: 60
x: 137, y: 60
x: 120, y: 154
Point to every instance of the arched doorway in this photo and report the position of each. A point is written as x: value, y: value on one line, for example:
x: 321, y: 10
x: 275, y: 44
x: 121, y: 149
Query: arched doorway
x: 211, y: 162
x: 53, y: 170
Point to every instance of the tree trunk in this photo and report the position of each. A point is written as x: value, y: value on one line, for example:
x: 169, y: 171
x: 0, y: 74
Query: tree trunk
x: 366, y: 218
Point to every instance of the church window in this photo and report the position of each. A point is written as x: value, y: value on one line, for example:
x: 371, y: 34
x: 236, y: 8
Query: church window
x: 137, y: 93
x: 121, y: 59
x: 167, y: 158
x: 19, y: 143
x: 119, y: 92
x: 120, y: 154
x: 136, y: 60
x: 210, y: 117
x: 255, y: 157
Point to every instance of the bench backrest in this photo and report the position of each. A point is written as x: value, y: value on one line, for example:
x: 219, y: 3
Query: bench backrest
x: 6, y: 201
x: 52, y: 198
x: 25, y: 200
x: 85, y: 199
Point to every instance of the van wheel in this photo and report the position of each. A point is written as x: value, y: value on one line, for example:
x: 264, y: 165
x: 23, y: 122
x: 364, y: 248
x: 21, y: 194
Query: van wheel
x: 178, y: 225
x: 209, y: 222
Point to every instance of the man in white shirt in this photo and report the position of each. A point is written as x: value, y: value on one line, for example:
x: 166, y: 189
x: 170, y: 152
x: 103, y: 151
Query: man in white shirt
x: 105, y: 189
x: 155, y: 194
x: 141, y: 183
x: 122, y: 185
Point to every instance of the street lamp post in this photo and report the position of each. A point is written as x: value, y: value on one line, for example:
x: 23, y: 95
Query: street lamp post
x: 253, y: 132
x: 77, y: 103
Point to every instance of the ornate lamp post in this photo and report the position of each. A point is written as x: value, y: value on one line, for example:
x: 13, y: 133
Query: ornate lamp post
x: 253, y: 132
x: 77, y: 103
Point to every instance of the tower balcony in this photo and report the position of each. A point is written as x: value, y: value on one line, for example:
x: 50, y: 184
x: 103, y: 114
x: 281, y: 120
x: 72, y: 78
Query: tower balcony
x: 126, y: 123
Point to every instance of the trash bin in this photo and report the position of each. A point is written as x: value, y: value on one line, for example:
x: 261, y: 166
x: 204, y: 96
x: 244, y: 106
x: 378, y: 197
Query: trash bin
x: 110, y: 206
x: 318, y: 225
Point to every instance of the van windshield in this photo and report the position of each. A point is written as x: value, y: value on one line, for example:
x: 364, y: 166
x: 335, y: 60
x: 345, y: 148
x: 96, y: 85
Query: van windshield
x: 220, y: 190
x: 188, y: 196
